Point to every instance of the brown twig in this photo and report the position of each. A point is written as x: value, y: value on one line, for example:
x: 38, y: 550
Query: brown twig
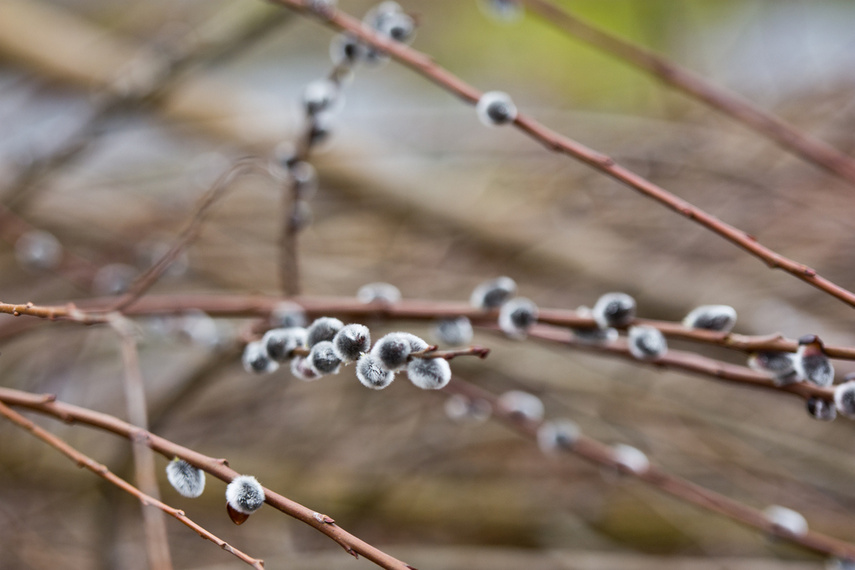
x: 425, y: 66
x: 601, y: 454
x: 47, y: 404
x: 759, y: 120
x: 157, y: 542
x: 220, y: 187
x: 146, y: 500
x: 406, y: 309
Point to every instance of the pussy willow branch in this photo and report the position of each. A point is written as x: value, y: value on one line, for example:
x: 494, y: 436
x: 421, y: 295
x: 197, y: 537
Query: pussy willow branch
x: 425, y: 66
x: 759, y: 120
x: 83, y: 460
x: 89, y: 311
x: 598, y: 453
x: 115, y: 102
x: 683, y: 361
x: 219, y: 468
x: 157, y: 541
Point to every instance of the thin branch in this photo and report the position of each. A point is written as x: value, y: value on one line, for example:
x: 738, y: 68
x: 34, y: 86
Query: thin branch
x: 601, y: 454
x: 157, y: 542
x: 232, y: 305
x: 220, y: 187
x: 759, y: 120
x: 47, y: 404
x: 146, y: 500
x: 425, y: 66
x: 685, y: 362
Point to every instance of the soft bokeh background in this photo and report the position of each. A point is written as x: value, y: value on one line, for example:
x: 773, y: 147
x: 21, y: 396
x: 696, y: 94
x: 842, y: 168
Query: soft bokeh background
x: 414, y: 191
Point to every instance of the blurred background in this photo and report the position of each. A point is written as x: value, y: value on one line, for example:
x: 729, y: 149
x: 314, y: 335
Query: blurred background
x: 414, y: 191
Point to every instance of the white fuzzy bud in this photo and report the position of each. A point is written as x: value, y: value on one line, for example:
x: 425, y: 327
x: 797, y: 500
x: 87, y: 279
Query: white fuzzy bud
x: 189, y: 481
x: 785, y: 519
x: 378, y: 293
x: 256, y: 360
x: 288, y: 314
x: 392, y: 351
x: 281, y: 343
x: 779, y: 365
x: 460, y: 408
x: 302, y: 369
x: 844, y: 398
x: 646, y: 343
x: 429, y: 373
x: 399, y: 26
x: 38, y: 249
x: 454, y: 332
x: 517, y: 316
x: 821, y: 409
x: 245, y: 494
x: 351, y: 341
x: 319, y: 96
x: 593, y: 335
x: 323, y: 358
x: 557, y: 434
x: 304, y: 177
x: 346, y: 50
x: 113, y: 279
x: 493, y: 293
x: 630, y: 458
x: 720, y: 318
x: 811, y: 364
x: 371, y: 372
x: 324, y: 328
x: 522, y: 405
x: 496, y: 108
x: 614, y: 310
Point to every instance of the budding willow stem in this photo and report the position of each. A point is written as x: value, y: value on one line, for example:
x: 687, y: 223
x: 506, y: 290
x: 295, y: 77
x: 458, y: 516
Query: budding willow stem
x: 426, y: 67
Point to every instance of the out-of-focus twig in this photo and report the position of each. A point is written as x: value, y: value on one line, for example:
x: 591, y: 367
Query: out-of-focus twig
x: 598, y: 453
x: 146, y: 500
x: 428, y: 68
x: 759, y: 120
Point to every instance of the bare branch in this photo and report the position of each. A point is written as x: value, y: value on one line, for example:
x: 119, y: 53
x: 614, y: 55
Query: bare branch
x: 146, y: 500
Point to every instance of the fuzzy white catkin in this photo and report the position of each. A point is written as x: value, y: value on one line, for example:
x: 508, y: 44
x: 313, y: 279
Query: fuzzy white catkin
x: 787, y: 519
x: 522, y: 404
x: 189, y: 481
x: 372, y: 374
x: 719, y: 318
x: 38, y: 249
x: 302, y: 369
x: 517, y: 316
x: 779, y: 365
x: 496, y: 108
x: 460, y: 408
x: 288, y: 314
x: 454, y: 332
x: 614, y: 310
x: 493, y: 293
x: 351, y: 341
x: 630, y: 458
x: 256, y: 360
x: 245, y: 494
x: 557, y: 434
x: 820, y: 409
x: 323, y: 358
x: 378, y: 293
x: 646, y: 343
x: 844, y: 398
x: 320, y: 95
x: 392, y: 351
x: 281, y: 343
x: 429, y: 373
x: 323, y: 328
x: 813, y: 366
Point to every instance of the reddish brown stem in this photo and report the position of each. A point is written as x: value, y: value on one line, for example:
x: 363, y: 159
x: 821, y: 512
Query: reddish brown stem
x: 87, y: 462
x: 759, y: 120
x: 46, y: 404
x: 425, y: 66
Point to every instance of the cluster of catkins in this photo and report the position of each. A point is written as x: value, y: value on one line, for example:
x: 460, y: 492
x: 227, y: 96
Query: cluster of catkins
x: 387, y: 19
x: 244, y: 495
x: 327, y: 343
